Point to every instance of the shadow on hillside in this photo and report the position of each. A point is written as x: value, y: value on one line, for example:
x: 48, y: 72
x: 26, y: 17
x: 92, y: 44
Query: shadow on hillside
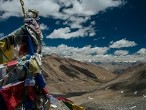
x: 84, y: 71
x: 71, y: 94
x: 69, y: 71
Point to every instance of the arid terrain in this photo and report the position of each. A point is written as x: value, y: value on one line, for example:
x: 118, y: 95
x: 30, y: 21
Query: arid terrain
x: 94, y: 87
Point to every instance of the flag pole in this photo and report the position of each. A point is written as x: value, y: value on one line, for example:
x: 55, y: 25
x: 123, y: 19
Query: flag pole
x: 23, y: 9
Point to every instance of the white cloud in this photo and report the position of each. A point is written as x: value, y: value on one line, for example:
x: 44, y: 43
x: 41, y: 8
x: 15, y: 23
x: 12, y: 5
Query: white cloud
x: 94, y: 54
x: 111, y: 42
x: 122, y: 58
x: 75, y: 52
x: 43, y: 26
x: 89, y: 8
x: 122, y: 43
x: 52, y: 7
x: 57, y: 22
x: 1, y: 35
x: 74, y: 13
x: 10, y: 8
x: 99, y: 38
x: 121, y: 52
x: 65, y: 33
x: 76, y: 22
x: 142, y: 51
x: 13, y: 7
x: 93, y: 23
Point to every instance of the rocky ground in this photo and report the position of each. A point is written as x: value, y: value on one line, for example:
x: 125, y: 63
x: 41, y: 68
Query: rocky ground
x: 111, y: 100
x: 94, y: 87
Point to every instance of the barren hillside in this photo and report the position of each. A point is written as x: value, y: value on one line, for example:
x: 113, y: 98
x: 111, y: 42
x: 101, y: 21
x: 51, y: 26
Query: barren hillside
x: 94, y: 87
x: 117, y: 67
x: 126, y: 92
x: 134, y: 79
x: 71, y: 76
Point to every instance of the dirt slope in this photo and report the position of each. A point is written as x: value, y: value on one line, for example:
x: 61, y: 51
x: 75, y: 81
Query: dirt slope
x: 134, y: 79
x: 71, y: 76
x: 126, y: 92
x: 95, y: 88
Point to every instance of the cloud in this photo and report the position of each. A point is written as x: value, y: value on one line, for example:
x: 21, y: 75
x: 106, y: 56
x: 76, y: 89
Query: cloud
x: 13, y: 7
x: 74, y: 12
x: 99, y: 38
x: 93, y: 54
x: 121, y: 52
x: 65, y: 33
x: 76, y: 22
x: 75, y: 52
x: 52, y: 7
x: 89, y: 8
x: 122, y: 58
x: 10, y: 8
x: 43, y: 26
x: 142, y: 51
x: 1, y: 35
x: 122, y: 43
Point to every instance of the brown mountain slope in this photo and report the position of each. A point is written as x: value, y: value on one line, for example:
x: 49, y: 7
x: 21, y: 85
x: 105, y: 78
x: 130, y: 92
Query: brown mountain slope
x: 117, y: 67
x: 71, y: 76
x: 134, y: 79
x: 126, y: 92
x: 94, y: 87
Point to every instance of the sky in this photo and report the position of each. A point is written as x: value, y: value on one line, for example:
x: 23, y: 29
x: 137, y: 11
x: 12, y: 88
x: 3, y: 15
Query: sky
x: 85, y: 30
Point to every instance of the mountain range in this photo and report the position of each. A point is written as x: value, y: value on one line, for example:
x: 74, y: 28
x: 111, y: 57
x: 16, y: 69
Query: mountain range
x: 96, y: 86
